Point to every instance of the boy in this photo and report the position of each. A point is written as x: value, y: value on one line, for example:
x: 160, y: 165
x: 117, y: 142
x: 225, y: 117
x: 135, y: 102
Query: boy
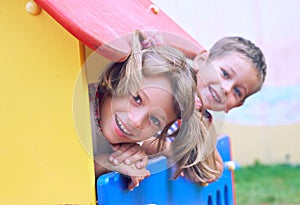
x: 232, y: 70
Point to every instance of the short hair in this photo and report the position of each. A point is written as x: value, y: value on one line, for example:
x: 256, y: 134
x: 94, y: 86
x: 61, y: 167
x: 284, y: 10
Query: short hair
x: 246, y: 48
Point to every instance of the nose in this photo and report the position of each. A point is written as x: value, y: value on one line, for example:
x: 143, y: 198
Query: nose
x: 140, y: 119
x: 227, y: 86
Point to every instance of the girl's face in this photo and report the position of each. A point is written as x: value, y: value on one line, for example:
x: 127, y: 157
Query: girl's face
x: 134, y: 118
x: 225, y: 81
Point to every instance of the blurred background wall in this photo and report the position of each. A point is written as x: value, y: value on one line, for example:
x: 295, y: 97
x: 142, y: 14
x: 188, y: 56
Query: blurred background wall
x: 266, y: 129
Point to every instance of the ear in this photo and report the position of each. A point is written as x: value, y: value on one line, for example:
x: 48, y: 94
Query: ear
x: 200, y: 59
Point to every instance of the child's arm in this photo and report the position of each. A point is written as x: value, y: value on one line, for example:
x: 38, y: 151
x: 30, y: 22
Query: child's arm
x: 121, y: 47
x: 190, y: 49
x: 129, y: 153
x: 128, y: 159
x: 102, y: 166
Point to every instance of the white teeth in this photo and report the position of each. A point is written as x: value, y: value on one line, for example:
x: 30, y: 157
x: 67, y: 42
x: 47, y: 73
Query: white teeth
x: 122, y: 127
x: 215, y: 96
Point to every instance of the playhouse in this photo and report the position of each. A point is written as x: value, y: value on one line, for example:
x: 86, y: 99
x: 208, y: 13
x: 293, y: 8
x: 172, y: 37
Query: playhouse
x: 45, y: 154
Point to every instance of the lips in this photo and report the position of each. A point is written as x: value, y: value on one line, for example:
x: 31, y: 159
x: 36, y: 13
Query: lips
x: 214, y: 94
x: 122, y: 127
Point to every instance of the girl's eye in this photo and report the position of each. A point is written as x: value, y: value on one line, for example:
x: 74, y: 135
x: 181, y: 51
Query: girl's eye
x: 155, y: 121
x: 237, y: 92
x: 137, y: 99
x: 225, y: 74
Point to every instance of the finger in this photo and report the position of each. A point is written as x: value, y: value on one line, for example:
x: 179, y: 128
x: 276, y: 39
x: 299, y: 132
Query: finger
x: 124, y: 146
x: 204, y: 183
x: 136, y: 157
x: 135, y: 182
x: 114, y: 157
x: 129, y: 170
x: 131, y: 154
x: 147, y: 173
x: 115, y: 147
x: 142, y: 163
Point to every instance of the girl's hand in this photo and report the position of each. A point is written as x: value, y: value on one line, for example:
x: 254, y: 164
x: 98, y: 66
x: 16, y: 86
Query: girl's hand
x: 135, y: 181
x: 102, y: 166
x: 136, y: 175
x: 129, y: 153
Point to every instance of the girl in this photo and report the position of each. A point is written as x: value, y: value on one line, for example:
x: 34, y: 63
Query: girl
x: 143, y: 95
x: 231, y: 71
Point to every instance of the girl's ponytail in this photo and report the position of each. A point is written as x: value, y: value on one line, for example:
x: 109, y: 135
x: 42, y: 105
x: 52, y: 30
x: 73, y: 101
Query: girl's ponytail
x: 193, y: 149
x: 131, y: 79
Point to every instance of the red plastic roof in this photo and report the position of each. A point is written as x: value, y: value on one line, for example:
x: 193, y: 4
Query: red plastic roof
x: 96, y: 22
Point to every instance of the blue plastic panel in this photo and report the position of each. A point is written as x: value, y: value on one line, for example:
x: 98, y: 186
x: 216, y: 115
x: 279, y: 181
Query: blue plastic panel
x: 159, y: 190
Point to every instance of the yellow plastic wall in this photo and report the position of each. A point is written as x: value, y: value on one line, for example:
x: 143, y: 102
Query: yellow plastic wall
x: 41, y: 157
x: 265, y: 144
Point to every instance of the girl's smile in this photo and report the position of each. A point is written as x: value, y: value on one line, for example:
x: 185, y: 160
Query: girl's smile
x: 134, y: 118
x: 121, y: 128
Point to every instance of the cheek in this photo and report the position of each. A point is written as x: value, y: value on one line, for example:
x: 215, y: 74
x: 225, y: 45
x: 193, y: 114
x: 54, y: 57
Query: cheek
x: 120, y: 104
x: 201, y: 85
x: 231, y: 102
x: 216, y: 77
x: 212, y: 78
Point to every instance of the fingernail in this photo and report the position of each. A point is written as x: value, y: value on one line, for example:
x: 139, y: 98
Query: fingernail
x: 127, y: 161
x: 116, y: 162
x: 204, y: 184
x: 138, y: 184
x: 111, y: 159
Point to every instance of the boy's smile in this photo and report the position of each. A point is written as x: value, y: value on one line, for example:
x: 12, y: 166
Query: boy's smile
x: 226, y: 81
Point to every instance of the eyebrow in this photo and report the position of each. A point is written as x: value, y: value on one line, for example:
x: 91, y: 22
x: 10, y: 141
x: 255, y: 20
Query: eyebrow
x: 232, y: 70
x: 143, y: 94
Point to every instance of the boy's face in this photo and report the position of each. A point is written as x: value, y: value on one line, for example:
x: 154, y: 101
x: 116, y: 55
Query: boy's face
x: 225, y: 81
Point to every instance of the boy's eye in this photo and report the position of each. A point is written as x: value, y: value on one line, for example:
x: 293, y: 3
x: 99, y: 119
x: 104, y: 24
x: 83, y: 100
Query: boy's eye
x: 238, y: 92
x: 137, y: 99
x: 225, y: 74
x: 155, y: 121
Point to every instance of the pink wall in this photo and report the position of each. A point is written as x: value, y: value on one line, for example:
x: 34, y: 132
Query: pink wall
x: 271, y: 24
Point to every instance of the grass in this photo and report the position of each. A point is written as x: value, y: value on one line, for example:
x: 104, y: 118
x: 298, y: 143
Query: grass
x: 266, y: 185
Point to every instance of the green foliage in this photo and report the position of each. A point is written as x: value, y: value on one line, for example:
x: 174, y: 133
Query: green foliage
x: 265, y: 185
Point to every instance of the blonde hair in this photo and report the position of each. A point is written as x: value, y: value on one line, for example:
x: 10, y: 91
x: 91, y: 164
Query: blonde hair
x: 193, y: 145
